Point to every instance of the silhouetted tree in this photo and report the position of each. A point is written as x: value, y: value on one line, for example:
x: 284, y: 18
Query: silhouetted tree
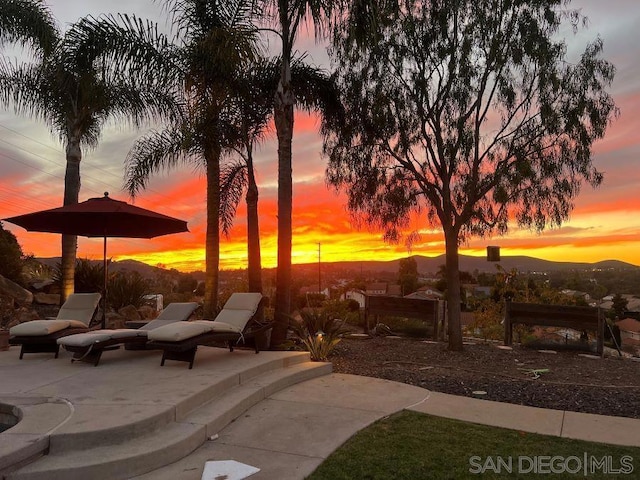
x: 470, y: 112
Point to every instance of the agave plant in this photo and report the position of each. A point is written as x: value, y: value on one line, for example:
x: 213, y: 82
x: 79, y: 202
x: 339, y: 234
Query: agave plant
x: 318, y: 331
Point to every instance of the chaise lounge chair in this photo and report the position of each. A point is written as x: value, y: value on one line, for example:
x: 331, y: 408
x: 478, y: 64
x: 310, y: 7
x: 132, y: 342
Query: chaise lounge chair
x: 88, y: 347
x: 234, y: 324
x: 74, y: 316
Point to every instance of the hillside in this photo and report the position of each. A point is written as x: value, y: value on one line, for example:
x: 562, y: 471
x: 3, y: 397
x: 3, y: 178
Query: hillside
x: 468, y: 263
x: 426, y: 265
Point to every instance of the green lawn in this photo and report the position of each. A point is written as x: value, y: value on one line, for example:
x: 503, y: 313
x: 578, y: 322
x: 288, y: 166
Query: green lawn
x: 414, y: 446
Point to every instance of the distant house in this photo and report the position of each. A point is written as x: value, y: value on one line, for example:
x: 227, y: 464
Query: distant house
x: 383, y: 288
x: 357, y: 295
x: 376, y: 289
x: 479, y: 292
x: 426, y: 293
x: 629, y: 330
x: 394, y: 290
x: 314, y: 290
x: 576, y: 294
x: 633, y: 302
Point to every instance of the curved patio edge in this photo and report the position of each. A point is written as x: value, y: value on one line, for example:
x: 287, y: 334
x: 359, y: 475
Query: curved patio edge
x: 29, y: 438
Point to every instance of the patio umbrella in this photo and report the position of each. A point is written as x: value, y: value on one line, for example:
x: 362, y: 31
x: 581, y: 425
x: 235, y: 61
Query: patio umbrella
x: 101, y: 217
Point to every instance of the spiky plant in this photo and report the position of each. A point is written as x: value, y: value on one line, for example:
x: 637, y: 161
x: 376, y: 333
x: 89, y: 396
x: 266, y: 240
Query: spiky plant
x: 318, y: 331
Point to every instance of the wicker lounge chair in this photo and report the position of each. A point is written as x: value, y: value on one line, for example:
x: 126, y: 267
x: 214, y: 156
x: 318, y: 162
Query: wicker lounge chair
x: 74, y: 316
x: 235, y: 324
x: 88, y: 347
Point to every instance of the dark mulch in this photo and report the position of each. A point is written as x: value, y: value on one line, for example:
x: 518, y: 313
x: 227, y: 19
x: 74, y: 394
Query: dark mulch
x: 608, y: 386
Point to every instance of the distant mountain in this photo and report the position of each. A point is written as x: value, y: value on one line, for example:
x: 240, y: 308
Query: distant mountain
x: 426, y: 265
x: 142, y: 268
x: 468, y: 263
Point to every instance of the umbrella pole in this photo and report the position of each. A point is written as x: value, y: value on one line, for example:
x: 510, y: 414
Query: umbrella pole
x: 104, y: 296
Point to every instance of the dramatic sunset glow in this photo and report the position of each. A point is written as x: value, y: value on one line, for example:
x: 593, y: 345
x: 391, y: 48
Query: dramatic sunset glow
x: 605, y: 223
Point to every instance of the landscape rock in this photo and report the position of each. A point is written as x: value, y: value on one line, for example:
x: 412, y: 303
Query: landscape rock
x: 12, y: 289
x: 46, y: 298
x: 25, y: 314
x: 147, y: 312
x: 114, y: 320
x: 42, y: 285
x: 130, y: 313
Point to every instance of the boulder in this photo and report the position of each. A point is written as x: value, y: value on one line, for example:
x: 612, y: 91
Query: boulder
x: 42, y: 285
x: 12, y: 289
x: 46, y: 298
x: 114, y: 320
x: 147, y: 312
x: 25, y: 314
x: 130, y: 313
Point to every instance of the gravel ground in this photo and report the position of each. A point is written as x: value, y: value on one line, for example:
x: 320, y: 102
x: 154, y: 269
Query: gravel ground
x: 568, y: 380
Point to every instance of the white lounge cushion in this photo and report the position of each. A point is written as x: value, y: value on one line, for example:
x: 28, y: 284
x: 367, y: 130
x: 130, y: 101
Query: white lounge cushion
x: 37, y: 328
x: 179, y: 331
x: 174, y: 312
x: 232, y: 319
x: 79, y: 306
x: 237, y: 318
x: 222, y: 327
x: 243, y: 301
x: 97, y: 336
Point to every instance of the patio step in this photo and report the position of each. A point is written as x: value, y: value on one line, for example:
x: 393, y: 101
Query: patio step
x: 146, y: 422
x: 145, y: 451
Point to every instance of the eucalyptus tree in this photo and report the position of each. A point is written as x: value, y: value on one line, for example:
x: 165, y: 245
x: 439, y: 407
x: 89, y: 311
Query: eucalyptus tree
x: 74, y: 91
x: 215, y: 40
x: 471, y: 113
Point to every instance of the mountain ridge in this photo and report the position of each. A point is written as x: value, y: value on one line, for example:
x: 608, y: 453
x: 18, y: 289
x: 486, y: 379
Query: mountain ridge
x: 470, y: 263
x: 425, y: 264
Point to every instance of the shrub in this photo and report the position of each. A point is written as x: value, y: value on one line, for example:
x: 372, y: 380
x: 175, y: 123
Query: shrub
x: 318, y: 331
x: 88, y: 277
x: 487, y: 320
x: 127, y: 289
x: 11, y: 255
x: 343, y: 309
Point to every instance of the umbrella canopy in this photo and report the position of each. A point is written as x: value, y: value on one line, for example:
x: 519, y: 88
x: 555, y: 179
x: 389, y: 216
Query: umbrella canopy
x: 101, y: 217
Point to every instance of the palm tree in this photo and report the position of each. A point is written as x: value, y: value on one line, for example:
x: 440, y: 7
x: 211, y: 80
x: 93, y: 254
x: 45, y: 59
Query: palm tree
x: 217, y: 40
x: 290, y: 15
x: 253, y: 97
x: 73, y: 91
x: 253, y: 109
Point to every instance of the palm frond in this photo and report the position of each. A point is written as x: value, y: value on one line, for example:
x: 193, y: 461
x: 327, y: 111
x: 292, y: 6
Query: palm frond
x: 24, y: 87
x: 233, y: 183
x: 155, y: 152
x: 122, y: 44
x: 314, y: 88
x: 130, y: 104
x: 28, y: 23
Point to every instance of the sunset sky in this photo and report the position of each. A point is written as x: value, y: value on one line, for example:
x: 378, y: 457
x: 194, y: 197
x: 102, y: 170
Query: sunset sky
x: 604, y: 225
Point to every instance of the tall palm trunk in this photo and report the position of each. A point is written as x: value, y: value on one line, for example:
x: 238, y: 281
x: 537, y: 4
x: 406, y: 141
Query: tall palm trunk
x: 212, y: 243
x: 283, y: 116
x: 453, y: 288
x: 71, y: 196
x: 253, y: 230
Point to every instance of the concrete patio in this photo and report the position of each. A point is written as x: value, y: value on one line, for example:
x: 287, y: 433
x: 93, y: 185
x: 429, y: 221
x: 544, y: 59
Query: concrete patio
x: 131, y: 418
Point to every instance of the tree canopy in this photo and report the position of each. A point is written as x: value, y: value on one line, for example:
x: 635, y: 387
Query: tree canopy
x: 470, y: 113
x: 10, y: 255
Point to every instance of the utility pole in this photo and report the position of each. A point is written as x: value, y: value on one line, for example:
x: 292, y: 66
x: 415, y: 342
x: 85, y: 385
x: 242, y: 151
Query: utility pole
x: 319, y: 271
